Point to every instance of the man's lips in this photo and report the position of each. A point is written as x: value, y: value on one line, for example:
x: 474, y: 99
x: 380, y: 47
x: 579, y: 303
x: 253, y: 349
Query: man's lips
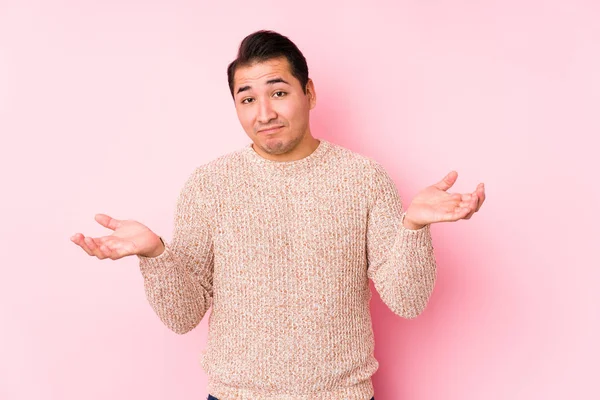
x: 271, y: 129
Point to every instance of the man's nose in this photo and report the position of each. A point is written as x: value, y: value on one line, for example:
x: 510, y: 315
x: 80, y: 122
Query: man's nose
x: 266, y: 113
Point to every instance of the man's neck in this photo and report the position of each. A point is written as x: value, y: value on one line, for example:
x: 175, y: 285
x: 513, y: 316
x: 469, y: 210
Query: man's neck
x: 305, y: 148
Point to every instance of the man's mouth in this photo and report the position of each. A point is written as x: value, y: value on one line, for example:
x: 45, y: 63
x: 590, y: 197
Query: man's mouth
x: 272, y: 129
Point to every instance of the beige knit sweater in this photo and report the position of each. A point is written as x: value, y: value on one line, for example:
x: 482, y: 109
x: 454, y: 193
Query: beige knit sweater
x: 283, y: 252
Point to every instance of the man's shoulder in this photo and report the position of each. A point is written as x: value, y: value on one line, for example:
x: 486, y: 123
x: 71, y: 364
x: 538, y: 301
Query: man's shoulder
x: 212, y: 174
x: 346, y: 157
x: 222, y: 164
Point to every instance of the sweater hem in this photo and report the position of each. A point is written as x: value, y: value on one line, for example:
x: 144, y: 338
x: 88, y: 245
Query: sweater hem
x: 361, y: 391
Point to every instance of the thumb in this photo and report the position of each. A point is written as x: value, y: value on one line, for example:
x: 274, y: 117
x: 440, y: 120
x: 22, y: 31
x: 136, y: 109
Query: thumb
x: 107, y: 221
x: 447, y: 182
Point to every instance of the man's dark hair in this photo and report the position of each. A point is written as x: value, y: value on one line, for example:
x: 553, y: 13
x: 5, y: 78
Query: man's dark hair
x: 264, y: 45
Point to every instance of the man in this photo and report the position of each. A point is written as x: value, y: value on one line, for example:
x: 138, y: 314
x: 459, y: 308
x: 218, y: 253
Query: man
x: 281, y: 238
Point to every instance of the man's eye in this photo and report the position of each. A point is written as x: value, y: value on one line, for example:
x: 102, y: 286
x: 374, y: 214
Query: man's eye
x: 247, y: 100
x: 279, y: 94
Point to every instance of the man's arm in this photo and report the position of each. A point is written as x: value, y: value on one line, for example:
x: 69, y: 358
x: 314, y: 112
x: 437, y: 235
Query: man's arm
x: 178, y: 282
x: 401, y: 261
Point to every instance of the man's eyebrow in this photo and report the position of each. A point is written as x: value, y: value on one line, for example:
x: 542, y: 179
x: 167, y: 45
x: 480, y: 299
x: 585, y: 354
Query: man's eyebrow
x: 276, y: 80
x: 269, y: 82
x: 242, y: 89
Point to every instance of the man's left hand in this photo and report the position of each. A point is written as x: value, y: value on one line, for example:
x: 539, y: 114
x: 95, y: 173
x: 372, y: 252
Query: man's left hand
x: 435, y: 204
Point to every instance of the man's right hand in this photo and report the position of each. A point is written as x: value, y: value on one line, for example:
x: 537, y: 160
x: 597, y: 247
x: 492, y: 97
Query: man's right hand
x: 129, y: 238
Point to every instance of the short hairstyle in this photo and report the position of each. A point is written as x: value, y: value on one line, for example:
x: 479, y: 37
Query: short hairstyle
x: 265, y: 45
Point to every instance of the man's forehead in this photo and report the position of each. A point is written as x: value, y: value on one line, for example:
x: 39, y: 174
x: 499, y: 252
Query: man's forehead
x: 260, y: 73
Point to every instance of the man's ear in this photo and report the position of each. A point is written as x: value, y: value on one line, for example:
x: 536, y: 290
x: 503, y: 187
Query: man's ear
x: 311, y: 94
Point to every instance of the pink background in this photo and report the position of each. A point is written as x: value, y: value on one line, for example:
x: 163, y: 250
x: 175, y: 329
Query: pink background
x: 107, y: 106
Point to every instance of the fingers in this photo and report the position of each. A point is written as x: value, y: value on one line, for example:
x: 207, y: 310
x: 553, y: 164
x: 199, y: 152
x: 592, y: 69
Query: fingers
x: 100, y: 247
x: 463, y: 199
x: 473, y: 206
x: 475, y: 200
x: 97, y: 249
x: 455, y: 206
x: 469, y: 203
x: 107, y: 221
x: 78, y: 240
x: 481, y: 194
x: 460, y: 206
x: 455, y: 212
x: 447, y: 182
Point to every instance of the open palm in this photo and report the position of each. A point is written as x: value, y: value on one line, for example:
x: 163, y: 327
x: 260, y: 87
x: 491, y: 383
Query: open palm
x: 128, y: 238
x: 435, y: 204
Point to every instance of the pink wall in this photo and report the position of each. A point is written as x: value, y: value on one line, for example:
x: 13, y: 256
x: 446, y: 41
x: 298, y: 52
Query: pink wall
x: 107, y: 107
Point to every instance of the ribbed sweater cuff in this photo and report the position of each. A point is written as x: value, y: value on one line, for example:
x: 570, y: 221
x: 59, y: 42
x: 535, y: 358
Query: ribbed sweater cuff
x: 414, y: 237
x: 158, y: 265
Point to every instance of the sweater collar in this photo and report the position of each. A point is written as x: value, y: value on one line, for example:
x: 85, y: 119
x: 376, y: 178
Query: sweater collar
x: 311, y: 160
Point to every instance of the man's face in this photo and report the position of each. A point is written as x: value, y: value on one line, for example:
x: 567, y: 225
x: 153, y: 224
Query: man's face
x: 271, y: 106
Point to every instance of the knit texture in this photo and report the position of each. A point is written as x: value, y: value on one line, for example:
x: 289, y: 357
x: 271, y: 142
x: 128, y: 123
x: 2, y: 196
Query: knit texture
x: 283, y: 252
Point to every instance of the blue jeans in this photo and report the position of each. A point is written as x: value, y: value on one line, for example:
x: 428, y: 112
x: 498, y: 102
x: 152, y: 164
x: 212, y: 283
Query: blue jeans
x: 214, y: 398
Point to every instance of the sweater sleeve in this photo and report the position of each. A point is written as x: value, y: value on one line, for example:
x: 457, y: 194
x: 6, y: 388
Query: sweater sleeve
x: 178, y: 282
x: 401, y: 261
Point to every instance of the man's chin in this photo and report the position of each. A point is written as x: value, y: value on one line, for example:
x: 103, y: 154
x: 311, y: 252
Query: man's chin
x: 276, y: 146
